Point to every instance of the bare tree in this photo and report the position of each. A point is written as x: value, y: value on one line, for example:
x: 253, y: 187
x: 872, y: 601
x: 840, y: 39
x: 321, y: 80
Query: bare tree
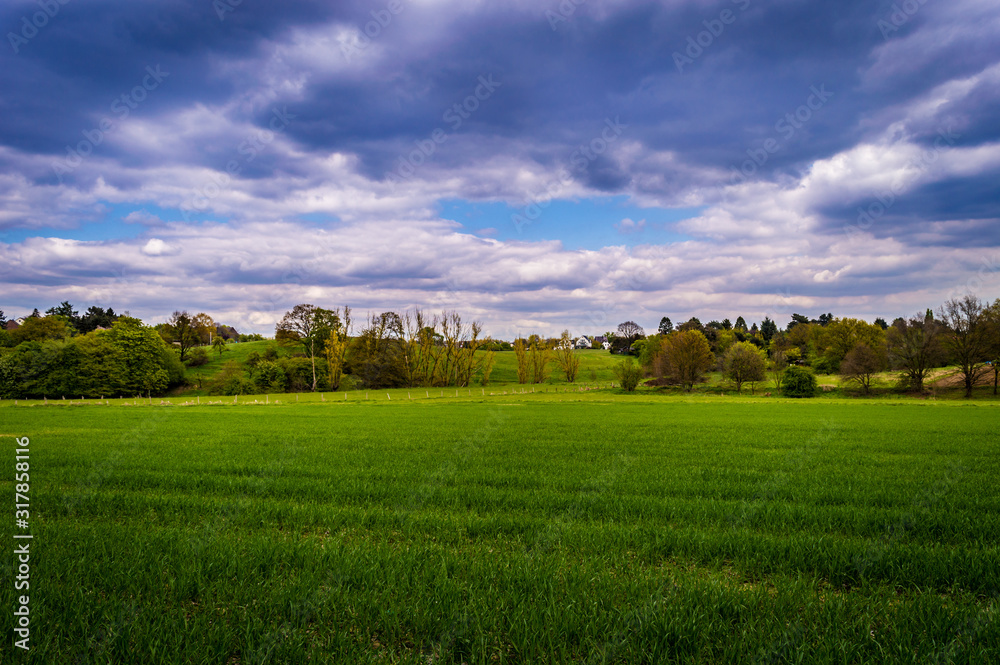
x: 915, y: 348
x: 994, y: 342
x: 861, y: 364
x: 779, y: 363
x: 628, y: 333
x: 967, y: 337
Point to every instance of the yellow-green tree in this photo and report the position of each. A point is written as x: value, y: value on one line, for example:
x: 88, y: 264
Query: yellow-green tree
x: 567, y: 358
x: 685, y: 357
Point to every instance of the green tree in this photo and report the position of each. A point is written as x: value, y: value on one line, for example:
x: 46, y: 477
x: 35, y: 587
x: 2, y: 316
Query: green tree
x: 40, y: 328
x: 685, y: 357
x: 798, y: 382
x: 768, y: 329
x: 308, y: 326
x: 568, y: 360
x: 539, y: 356
x: 666, y: 326
x: 744, y: 363
x: 521, y: 354
x: 219, y: 344
x: 181, y: 332
x: 629, y: 374
x: 66, y: 311
x: 270, y: 377
x: 834, y: 341
x: 96, y: 317
x: 336, y: 349
x: 141, y: 350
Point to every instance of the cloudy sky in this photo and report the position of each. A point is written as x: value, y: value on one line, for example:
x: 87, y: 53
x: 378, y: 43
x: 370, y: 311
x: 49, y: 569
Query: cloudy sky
x: 535, y: 164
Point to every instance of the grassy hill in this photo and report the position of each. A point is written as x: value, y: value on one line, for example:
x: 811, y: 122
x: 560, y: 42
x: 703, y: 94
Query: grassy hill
x: 597, y: 371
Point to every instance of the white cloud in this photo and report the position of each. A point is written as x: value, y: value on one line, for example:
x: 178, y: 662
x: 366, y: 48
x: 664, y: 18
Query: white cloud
x: 156, y: 247
x: 627, y: 226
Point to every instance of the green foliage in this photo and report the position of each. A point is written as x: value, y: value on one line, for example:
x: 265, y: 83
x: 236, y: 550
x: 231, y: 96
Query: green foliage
x: 141, y: 350
x: 219, y: 344
x: 197, y: 356
x: 232, y: 381
x: 744, y: 363
x: 41, y: 328
x: 270, y: 377
x: 798, y: 382
x: 685, y: 357
x: 832, y: 342
x: 171, y: 362
x: 650, y: 349
x: 298, y: 373
x: 129, y: 359
x: 629, y: 374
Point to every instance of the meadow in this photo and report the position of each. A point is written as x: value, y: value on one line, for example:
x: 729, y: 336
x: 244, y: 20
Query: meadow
x: 570, y: 527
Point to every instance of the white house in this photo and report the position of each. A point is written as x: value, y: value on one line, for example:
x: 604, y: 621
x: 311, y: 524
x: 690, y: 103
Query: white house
x: 603, y: 342
x: 582, y: 343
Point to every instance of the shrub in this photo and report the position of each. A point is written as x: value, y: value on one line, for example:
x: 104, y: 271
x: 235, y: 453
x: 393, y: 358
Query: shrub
x: 197, y: 357
x: 270, y: 377
x: 629, y: 374
x: 798, y: 382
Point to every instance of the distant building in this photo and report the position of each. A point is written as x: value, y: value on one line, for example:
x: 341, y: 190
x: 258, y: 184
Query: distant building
x: 227, y: 332
x: 11, y: 325
x: 582, y: 343
x: 601, y: 341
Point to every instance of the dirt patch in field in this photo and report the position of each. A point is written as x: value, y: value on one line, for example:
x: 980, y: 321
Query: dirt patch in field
x: 955, y: 380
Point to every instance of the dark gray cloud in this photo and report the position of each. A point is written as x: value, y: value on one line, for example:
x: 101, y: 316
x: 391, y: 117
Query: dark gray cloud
x: 780, y: 119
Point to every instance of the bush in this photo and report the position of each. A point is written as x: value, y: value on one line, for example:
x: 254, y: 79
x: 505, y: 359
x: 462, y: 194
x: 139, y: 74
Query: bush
x: 172, y: 363
x: 798, y: 382
x: 197, y: 357
x: 629, y: 374
x: 270, y: 377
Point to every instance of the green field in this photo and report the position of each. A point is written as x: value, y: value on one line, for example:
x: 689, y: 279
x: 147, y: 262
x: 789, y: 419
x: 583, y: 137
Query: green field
x: 581, y: 527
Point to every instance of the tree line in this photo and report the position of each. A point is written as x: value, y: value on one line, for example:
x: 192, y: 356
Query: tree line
x: 964, y: 332
x: 102, y: 353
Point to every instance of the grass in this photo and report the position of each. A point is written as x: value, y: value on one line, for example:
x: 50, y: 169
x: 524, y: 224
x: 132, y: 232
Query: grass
x: 574, y: 527
x: 238, y: 351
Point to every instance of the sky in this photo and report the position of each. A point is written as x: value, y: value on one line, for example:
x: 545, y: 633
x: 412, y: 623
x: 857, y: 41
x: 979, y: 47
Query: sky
x: 536, y: 165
